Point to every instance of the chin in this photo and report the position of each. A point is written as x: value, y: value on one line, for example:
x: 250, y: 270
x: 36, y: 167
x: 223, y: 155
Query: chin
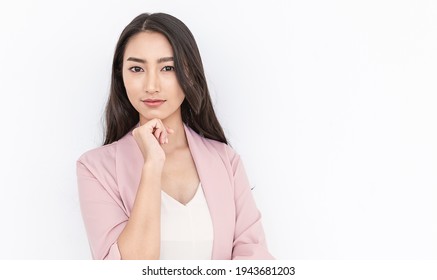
x: 158, y: 114
x: 149, y: 116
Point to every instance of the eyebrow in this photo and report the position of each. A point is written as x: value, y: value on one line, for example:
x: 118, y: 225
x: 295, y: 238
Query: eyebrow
x: 160, y: 60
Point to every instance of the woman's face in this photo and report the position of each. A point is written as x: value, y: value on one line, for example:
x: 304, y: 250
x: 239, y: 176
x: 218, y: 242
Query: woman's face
x: 150, y: 78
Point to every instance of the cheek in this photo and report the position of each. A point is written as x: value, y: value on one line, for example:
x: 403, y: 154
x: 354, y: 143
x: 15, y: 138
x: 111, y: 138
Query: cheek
x: 131, y: 85
x: 179, y: 94
x: 131, y: 91
x: 173, y: 84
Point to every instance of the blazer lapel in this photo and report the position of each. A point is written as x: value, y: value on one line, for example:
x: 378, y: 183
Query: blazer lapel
x: 218, y: 190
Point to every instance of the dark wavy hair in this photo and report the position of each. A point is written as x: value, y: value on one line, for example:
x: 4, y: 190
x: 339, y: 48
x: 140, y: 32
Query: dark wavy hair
x: 196, y: 109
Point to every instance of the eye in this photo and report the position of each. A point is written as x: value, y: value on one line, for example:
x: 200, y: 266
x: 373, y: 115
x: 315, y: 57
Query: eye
x: 136, y: 69
x: 167, y: 68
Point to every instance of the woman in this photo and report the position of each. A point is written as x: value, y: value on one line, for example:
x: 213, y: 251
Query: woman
x: 165, y: 184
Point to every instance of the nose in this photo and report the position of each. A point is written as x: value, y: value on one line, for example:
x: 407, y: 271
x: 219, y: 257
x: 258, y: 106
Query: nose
x: 151, y: 82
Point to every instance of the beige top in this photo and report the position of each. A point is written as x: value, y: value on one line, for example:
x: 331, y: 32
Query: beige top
x: 186, y: 230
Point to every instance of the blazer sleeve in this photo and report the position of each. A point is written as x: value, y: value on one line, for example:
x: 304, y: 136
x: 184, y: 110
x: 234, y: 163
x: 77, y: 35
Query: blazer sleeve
x: 103, y: 213
x: 249, y: 238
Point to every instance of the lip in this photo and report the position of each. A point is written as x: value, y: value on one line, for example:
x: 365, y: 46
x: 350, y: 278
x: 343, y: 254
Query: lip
x: 153, y: 102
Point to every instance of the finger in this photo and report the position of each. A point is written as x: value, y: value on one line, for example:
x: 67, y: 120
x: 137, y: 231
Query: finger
x: 161, y: 135
x: 153, y: 125
x: 159, y: 131
x: 163, y: 139
x: 169, y: 130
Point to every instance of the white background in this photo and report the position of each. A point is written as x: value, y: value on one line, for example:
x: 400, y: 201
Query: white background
x: 332, y: 105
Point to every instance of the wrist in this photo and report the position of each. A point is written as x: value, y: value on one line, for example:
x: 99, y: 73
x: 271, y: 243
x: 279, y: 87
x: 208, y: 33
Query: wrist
x: 153, y: 166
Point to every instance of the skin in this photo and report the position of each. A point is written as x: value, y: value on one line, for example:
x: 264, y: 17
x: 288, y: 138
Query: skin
x: 148, y: 73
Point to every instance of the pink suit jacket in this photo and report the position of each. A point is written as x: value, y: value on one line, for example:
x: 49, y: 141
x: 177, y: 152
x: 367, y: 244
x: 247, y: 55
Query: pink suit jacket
x: 108, y: 178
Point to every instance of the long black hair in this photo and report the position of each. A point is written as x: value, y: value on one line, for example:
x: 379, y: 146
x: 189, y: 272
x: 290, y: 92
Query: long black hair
x: 196, y: 109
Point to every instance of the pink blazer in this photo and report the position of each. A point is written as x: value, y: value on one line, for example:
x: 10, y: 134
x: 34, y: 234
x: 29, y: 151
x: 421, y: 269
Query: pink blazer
x: 108, y: 178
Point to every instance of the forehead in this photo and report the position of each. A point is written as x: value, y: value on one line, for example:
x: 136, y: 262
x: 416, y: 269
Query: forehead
x: 148, y: 45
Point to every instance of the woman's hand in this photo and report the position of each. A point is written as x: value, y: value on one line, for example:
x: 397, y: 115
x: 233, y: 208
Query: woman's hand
x: 140, y: 238
x: 149, y: 137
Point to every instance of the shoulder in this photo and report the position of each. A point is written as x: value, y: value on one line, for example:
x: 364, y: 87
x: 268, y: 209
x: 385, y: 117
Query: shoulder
x: 106, y: 153
x: 99, y: 156
x: 96, y: 169
x: 204, y: 145
x: 224, y: 150
x: 104, y: 159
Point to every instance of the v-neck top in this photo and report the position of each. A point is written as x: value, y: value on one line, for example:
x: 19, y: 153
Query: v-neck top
x: 186, y: 230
